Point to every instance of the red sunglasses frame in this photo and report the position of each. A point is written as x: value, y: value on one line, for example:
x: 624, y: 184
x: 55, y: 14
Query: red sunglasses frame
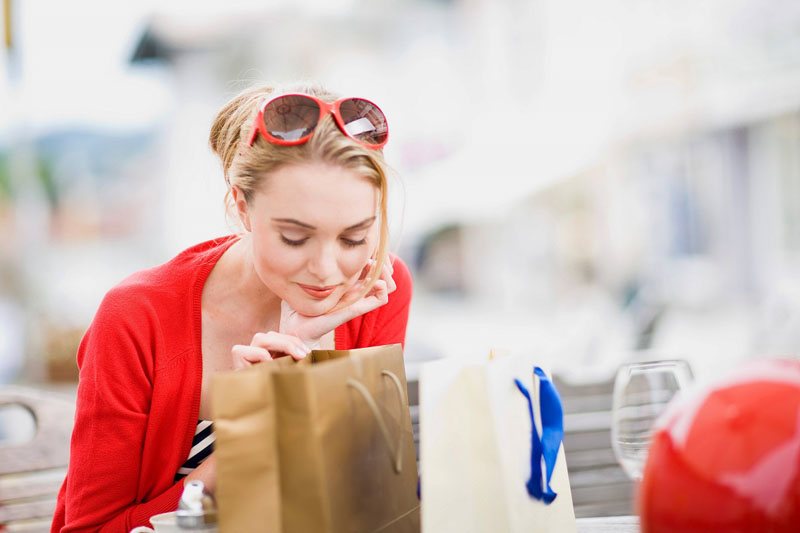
x: 324, y: 108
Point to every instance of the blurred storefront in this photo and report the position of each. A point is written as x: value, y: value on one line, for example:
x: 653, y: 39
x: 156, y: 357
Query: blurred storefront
x: 581, y: 179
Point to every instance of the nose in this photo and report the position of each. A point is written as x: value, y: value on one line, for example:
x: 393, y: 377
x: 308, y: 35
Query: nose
x: 322, y: 264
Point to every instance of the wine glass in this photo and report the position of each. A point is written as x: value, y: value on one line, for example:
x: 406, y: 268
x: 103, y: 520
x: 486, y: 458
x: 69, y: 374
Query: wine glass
x: 641, y: 392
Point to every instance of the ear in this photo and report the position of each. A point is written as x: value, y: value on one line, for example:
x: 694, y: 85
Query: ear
x: 241, y: 207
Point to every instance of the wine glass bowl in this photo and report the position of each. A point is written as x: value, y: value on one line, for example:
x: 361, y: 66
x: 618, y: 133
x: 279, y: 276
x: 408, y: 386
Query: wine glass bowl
x: 642, y: 391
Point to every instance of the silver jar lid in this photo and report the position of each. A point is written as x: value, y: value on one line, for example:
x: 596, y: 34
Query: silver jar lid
x: 196, y: 509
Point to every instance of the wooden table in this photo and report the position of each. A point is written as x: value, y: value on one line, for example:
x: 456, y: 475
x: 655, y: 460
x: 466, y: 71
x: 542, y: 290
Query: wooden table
x: 609, y: 524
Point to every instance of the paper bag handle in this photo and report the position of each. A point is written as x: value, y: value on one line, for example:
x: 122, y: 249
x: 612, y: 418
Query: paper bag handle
x: 552, y: 435
x: 395, y: 454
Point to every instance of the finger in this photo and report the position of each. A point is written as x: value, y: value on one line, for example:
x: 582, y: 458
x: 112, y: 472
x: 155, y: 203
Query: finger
x: 356, y: 294
x: 245, y: 356
x: 366, y: 270
x: 386, y: 275
x: 378, y: 287
x: 281, y: 342
x: 352, y: 294
x: 380, y: 291
x: 366, y: 305
x: 273, y: 340
x: 377, y: 296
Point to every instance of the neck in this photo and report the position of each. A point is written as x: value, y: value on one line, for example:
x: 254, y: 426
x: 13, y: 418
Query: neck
x: 234, y: 289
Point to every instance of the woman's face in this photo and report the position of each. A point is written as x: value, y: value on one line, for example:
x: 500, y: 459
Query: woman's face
x: 313, y: 229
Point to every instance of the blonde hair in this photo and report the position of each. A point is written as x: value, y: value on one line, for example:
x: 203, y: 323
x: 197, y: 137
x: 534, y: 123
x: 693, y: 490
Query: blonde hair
x: 248, y: 168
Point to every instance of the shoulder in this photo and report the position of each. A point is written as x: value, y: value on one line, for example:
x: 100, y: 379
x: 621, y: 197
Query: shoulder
x: 402, y: 278
x: 188, y: 262
x: 386, y: 324
x: 152, y: 315
x: 174, y: 279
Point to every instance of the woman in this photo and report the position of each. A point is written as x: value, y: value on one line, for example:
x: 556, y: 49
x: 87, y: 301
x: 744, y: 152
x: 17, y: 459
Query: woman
x: 307, y: 181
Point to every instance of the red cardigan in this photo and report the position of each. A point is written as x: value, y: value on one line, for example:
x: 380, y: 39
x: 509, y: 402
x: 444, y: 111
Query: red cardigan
x: 139, y: 391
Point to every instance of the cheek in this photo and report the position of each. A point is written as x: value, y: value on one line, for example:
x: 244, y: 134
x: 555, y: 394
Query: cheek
x: 274, y: 263
x: 353, y: 264
x: 354, y: 261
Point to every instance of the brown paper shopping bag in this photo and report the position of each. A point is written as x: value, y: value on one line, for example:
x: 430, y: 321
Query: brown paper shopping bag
x: 323, y: 445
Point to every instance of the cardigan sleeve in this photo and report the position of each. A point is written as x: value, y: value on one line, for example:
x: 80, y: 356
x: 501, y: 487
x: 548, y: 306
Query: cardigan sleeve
x: 390, y: 325
x: 114, y: 394
x: 386, y: 324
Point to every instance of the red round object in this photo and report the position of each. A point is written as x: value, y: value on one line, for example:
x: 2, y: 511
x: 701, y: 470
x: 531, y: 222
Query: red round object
x: 727, y: 459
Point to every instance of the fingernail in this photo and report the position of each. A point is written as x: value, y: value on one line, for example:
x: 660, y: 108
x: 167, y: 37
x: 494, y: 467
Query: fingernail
x: 300, y: 354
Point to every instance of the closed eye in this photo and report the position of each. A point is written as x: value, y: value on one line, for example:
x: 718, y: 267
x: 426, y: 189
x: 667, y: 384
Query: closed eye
x: 292, y: 242
x: 352, y: 243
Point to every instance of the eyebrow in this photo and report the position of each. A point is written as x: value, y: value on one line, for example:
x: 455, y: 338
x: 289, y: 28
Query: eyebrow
x: 363, y: 224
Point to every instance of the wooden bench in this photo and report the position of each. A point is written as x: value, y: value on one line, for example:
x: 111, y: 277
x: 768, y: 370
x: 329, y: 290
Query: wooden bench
x: 31, y: 473
x: 599, y: 485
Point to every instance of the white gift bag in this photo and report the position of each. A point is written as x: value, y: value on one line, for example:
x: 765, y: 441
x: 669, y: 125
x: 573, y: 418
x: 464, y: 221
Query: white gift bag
x: 487, y: 461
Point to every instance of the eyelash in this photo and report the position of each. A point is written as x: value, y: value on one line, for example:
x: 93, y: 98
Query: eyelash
x: 290, y: 242
x: 352, y: 244
x: 347, y: 242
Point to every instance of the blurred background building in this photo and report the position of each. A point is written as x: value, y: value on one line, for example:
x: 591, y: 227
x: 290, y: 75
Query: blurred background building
x: 588, y: 180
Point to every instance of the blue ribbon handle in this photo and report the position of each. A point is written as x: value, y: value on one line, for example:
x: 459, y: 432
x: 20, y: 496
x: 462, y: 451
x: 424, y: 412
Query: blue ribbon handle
x: 552, y: 434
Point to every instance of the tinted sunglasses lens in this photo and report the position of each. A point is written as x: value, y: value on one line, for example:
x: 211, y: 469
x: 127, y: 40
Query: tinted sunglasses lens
x: 290, y: 118
x: 364, y: 121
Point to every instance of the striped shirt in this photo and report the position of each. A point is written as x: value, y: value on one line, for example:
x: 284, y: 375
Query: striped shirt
x: 202, y: 446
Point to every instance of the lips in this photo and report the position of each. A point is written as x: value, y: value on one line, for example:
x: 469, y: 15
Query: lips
x: 318, y: 292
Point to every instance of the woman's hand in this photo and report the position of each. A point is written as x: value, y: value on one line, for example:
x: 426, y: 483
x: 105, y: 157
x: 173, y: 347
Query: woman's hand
x: 311, y: 329
x: 267, y: 346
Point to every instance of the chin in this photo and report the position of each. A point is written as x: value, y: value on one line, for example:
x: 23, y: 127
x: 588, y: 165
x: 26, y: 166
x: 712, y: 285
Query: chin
x: 309, y: 307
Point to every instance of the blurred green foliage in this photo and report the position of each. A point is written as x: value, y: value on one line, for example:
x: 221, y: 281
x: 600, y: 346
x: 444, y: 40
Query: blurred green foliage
x: 6, y: 189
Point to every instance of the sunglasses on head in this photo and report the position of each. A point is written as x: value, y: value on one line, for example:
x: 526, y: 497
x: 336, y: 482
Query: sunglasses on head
x: 290, y: 119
